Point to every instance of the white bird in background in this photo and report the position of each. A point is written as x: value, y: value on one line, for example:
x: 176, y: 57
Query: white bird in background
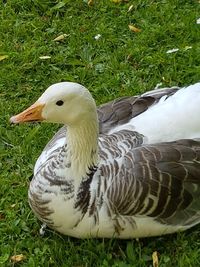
x: 130, y: 168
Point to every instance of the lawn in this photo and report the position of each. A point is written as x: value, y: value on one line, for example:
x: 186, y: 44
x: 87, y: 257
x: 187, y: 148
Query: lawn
x: 100, y: 51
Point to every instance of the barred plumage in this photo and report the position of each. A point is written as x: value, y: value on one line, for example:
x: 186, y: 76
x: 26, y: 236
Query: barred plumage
x: 131, y: 180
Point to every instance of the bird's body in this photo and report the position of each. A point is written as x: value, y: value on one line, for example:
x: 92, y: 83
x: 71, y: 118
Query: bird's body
x: 131, y: 169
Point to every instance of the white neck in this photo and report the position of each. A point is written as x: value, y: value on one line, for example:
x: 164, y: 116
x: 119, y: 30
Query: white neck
x: 82, y: 147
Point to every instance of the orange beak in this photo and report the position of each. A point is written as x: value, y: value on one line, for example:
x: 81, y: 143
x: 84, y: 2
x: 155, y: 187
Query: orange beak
x: 33, y: 113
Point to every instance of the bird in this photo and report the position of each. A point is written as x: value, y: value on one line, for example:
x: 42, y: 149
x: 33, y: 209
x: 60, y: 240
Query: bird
x: 129, y: 168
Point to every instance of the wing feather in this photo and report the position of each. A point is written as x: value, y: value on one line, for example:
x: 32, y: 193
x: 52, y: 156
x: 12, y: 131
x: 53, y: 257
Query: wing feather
x: 160, y: 181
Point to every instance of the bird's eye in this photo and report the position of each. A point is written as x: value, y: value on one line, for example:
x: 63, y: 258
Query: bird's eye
x: 59, y: 103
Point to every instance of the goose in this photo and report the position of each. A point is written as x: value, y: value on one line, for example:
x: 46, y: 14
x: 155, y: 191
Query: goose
x: 128, y: 169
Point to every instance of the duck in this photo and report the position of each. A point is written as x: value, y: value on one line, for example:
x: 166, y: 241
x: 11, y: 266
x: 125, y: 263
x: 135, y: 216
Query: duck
x: 129, y: 168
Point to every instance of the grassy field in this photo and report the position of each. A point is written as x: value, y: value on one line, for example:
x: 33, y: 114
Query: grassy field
x: 121, y: 62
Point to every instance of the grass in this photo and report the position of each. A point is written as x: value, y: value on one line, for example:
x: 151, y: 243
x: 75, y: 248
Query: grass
x: 120, y: 63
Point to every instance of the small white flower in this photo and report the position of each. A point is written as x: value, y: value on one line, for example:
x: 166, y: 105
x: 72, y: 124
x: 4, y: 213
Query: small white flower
x: 198, y: 21
x: 172, y: 50
x: 97, y: 37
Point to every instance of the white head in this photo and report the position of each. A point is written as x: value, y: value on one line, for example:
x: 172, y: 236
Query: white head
x: 66, y: 102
